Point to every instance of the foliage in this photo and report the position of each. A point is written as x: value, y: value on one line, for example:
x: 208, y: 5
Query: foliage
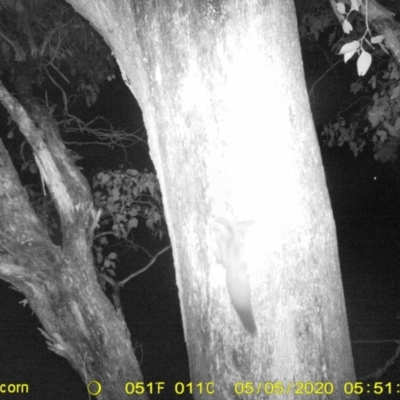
x: 357, y: 46
x: 64, y: 60
x: 380, y: 121
x: 315, y: 17
x: 50, y: 42
x: 125, y: 198
x: 377, y: 121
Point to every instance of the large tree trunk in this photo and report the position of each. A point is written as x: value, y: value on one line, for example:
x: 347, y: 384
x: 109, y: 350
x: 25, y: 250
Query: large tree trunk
x: 60, y: 283
x: 223, y: 96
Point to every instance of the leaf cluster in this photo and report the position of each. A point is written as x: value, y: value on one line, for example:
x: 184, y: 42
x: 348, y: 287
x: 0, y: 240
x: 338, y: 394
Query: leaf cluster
x: 379, y: 121
x: 315, y: 17
x: 126, y: 198
x: 50, y: 42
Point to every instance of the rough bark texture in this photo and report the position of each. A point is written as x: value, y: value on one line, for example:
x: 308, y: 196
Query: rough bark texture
x: 222, y: 91
x: 60, y: 283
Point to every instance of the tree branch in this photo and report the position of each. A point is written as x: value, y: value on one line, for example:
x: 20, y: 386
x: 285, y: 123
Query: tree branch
x: 153, y: 260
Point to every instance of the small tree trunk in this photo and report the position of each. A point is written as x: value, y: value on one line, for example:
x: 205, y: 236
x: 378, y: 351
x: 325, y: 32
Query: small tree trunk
x: 60, y: 283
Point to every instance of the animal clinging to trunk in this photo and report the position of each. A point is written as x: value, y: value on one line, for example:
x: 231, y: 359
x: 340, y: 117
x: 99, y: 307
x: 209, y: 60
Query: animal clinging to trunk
x: 230, y: 251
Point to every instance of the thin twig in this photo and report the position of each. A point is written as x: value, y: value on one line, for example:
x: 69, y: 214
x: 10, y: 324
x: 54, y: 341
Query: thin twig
x: 122, y: 283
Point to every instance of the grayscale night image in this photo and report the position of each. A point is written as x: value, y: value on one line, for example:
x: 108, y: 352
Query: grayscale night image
x: 199, y: 199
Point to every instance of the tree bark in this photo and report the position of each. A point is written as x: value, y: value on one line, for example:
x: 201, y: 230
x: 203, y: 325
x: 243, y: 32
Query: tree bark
x: 222, y: 90
x: 60, y: 283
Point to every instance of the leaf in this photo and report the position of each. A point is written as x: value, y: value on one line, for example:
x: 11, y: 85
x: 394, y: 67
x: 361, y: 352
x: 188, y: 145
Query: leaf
x: 341, y: 8
x: 103, y: 177
x: 347, y: 27
x: 103, y: 240
x: 382, y: 135
x: 372, y: 82
x: 157, y: 216
x: 112, y: 209
x: 33, y: 169
x: 377, y: 39
x: 396, y: 93
x: 133, y: 223
x: 375, y: 116
x: 151, y: 186
x: 355, y: 87
x: 355, y: 5
x: 115, y: 194
x: 390, y: 128
x: 133, y: 212
x: 363, y: 63
x: 350, y: 47
x: 347, y: 56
